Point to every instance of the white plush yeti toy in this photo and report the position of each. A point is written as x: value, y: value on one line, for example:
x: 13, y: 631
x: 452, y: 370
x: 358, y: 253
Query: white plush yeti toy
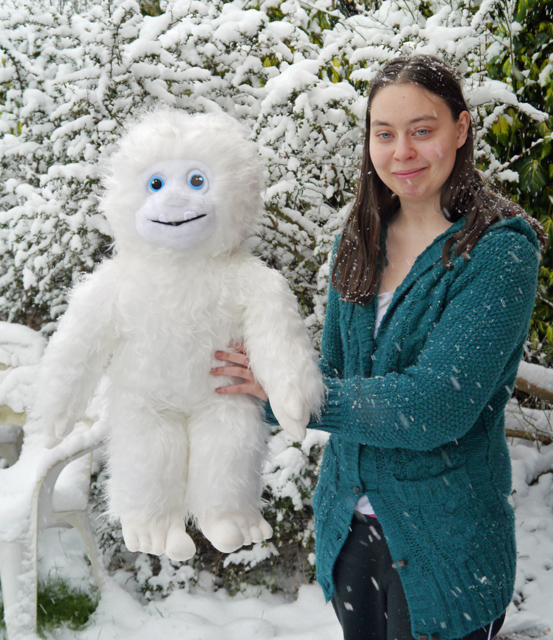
x: 183, y: 191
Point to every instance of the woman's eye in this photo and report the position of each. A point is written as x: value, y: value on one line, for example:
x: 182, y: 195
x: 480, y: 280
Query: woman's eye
x: 422, y: 132
x: 385, y: 136
x: 156, y: 183
x: 196, y: 180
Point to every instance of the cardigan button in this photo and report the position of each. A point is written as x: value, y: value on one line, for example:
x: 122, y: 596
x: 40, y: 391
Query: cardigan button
x: 400, y: 564
x: 356, y: 489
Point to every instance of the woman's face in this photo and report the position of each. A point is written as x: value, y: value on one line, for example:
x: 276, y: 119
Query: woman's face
x: 413, y: 142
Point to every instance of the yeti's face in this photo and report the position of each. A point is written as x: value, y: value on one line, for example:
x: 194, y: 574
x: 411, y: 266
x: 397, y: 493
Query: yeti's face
x: 177, y: 212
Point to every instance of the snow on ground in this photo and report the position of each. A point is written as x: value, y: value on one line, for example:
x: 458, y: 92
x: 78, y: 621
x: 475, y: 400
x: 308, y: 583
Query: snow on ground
x: 200, y: 615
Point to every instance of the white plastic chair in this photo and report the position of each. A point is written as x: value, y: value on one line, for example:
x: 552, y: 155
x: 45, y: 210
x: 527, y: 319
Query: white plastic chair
x: 41, y: 488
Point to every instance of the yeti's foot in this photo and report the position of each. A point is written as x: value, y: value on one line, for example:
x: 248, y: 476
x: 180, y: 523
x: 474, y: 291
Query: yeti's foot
x: 158, y: 539
x: 232, y: 530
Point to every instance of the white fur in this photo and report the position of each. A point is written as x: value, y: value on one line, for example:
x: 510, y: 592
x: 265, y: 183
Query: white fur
x: 158, y: 314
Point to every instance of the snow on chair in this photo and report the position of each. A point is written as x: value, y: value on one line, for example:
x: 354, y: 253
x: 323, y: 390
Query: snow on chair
x: 41, y: 488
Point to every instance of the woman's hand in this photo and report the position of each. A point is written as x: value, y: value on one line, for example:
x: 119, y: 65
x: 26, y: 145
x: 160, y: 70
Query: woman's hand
x: 238, y: 367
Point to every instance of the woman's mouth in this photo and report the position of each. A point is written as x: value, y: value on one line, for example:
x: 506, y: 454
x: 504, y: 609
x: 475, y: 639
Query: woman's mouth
x: 411, y: 174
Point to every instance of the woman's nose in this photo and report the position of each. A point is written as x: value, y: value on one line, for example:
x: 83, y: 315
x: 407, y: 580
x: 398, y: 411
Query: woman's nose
x: 404, y: 149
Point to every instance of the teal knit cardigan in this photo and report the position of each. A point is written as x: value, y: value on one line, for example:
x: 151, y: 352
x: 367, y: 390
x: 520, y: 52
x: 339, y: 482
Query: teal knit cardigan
x: 416, y: 418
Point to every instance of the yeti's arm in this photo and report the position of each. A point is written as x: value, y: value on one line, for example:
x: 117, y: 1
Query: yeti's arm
x: 280, y: 352
x: 76, y: 354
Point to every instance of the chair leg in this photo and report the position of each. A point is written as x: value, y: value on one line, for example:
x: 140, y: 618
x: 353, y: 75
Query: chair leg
x: 18, y: 573
x: 81, y: 522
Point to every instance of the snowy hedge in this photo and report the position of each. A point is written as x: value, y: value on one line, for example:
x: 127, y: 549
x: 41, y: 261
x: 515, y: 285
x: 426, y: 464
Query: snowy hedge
x: 295, y: 72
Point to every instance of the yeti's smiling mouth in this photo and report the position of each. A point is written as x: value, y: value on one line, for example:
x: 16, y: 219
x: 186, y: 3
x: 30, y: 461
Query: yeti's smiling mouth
x: 179, y: 222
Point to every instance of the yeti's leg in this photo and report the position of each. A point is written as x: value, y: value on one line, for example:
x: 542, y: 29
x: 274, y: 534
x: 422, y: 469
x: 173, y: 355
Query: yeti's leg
x: 148, y: 456
x: 227, y: 445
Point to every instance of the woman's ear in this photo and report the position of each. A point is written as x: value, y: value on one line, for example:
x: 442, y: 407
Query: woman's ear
x: 463, y: 125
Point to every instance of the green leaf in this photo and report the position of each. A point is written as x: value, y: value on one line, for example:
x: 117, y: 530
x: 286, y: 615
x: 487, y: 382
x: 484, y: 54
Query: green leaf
x: 334, y: 75
x: 506, y: 69
x: 544, y: 129
x: 522, y: 10
x: 533, y: 178
x: 519, y: 76
x: 501, y: 128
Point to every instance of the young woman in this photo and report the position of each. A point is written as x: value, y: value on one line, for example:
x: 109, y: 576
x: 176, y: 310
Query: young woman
x: 432, y: 289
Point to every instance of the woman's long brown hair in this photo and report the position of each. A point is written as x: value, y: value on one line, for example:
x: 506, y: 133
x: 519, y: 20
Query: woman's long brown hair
x: 359, y: 258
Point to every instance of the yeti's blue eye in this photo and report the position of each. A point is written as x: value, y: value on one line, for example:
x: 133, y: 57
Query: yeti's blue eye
x: 196, y: 180
x: 156, y: 183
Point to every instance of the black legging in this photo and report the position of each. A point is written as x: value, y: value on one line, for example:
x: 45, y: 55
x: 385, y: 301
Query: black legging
x: 369, y: 599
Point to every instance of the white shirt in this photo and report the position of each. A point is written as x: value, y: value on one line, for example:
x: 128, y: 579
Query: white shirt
x: 384, y: 299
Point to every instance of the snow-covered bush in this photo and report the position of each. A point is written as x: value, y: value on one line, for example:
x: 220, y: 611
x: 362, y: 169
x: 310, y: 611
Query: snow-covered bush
x: 295, y: 72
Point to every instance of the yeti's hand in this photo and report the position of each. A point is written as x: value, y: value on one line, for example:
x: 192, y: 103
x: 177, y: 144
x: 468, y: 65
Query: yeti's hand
x: 57, y: 429
x: 290, y: 411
